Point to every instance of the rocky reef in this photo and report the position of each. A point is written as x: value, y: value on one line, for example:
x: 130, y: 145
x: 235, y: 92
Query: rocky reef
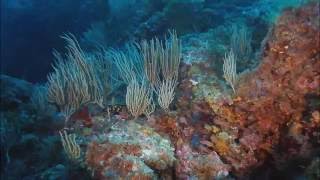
x: 269, y: 125
x: 272, y: 118
x: 276, y: 106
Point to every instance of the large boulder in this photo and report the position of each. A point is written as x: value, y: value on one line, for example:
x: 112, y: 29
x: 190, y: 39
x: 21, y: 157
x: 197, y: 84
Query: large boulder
x: 14, y: 92
x: 129, y: 150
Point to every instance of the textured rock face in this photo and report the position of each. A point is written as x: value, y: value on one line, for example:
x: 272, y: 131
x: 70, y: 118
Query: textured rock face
x: 290, y: 67
x: 129, y: 150
x: 289, y: 73
x: 275, y: 113
x: 14, y: 91
x: 286, y: 84
x: 275, y: 98
x: 29, y: 146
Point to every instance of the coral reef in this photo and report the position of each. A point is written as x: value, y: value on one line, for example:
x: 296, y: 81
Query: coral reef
x: 269, y: 119
x: 270, y: 106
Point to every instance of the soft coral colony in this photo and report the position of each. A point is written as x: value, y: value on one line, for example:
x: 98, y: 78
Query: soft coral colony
x: 173, y: 126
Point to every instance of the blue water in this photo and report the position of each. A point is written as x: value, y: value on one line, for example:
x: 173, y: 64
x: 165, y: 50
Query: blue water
x: 30, y: 29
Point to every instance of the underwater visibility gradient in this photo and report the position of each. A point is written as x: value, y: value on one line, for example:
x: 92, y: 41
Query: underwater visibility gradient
x: 160, y: 89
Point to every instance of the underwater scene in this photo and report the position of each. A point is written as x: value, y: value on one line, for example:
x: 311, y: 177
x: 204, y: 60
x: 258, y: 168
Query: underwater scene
x: 160, y: 90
